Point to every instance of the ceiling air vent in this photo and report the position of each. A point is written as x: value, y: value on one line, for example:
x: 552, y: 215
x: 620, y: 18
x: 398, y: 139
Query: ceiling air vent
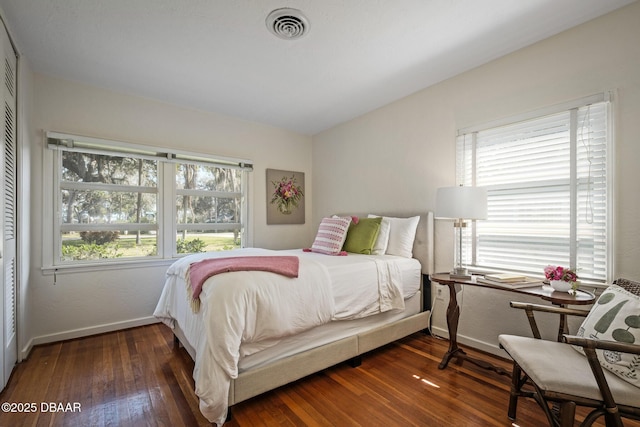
x: 288, y: 24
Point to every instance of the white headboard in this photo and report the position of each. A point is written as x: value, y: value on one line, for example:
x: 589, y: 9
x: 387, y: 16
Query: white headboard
x: 423, y: 246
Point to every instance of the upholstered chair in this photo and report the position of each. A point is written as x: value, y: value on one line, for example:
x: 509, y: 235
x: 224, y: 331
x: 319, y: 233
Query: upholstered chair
x: 598, y: 368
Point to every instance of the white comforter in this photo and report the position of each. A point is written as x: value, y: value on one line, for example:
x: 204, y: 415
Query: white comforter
x: 247, y: 307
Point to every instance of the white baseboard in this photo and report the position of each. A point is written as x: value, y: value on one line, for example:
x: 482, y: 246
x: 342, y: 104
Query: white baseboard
x: 24, y: 353
x: 84, y: 332
x: 471, y: 342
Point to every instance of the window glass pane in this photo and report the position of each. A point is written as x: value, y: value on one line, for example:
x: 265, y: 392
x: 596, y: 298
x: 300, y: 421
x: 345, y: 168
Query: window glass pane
x: 205, y: 241
x: 208, y: 208
x: 86, y: 167
x: 108, y: 207
x: 108, y: 244
x: 212, y: 178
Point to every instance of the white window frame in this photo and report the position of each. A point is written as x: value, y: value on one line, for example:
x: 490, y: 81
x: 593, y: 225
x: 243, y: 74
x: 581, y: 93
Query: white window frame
x: 466, y: 168
x: 167, y: 226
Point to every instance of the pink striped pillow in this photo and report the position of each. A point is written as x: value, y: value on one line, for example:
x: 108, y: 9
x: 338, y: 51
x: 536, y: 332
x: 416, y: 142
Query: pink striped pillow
x: 332, y: 233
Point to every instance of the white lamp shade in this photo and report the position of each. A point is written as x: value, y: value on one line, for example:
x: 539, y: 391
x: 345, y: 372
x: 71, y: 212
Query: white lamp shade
x: 461, y: 202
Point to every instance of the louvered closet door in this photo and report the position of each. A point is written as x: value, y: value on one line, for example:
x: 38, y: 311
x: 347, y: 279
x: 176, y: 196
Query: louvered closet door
x: 8, y: 229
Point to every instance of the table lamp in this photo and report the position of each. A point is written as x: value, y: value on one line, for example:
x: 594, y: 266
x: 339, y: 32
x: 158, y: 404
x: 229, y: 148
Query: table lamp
x: 461, y: 204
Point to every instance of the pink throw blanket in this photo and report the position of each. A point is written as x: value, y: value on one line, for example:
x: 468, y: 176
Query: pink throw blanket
x: 202, y: 270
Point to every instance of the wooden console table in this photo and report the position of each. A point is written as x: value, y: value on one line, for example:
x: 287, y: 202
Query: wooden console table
x: 453, y: 312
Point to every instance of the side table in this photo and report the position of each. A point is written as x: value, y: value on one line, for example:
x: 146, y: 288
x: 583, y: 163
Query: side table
x: 453, y: 312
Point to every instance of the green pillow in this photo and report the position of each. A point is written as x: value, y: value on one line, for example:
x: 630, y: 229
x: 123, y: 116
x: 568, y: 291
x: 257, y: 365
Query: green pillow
x: 362, y: 236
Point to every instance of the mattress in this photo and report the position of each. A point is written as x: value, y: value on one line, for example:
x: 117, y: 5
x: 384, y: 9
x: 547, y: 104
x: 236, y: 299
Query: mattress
x: 350, y: 278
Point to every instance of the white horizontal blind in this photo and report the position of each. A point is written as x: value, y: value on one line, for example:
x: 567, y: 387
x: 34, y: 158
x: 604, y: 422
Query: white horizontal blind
x: 547, y: 193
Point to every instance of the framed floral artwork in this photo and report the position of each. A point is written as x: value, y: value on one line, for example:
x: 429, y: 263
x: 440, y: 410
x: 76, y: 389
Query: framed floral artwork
x: 285, y: 197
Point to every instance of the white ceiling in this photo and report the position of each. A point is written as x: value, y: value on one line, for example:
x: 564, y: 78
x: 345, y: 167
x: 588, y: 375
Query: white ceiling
x: 217, y: 55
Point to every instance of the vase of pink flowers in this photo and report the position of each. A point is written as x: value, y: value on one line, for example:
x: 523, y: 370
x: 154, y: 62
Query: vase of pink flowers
x: 286, y: 195
x: 561, y: 279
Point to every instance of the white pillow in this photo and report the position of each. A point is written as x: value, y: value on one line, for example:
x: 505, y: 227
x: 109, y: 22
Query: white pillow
x: 380, y: 246
x: 402, y: 233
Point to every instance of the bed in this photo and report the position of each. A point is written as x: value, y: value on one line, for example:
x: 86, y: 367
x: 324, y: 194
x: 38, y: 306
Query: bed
x: 259, y: 354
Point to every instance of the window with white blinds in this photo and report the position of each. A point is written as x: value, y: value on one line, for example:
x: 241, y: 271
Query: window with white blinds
x: 548, y: 179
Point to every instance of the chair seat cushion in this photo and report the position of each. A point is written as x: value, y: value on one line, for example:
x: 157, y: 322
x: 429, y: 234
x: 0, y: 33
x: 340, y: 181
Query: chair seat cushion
x: 557, y: 367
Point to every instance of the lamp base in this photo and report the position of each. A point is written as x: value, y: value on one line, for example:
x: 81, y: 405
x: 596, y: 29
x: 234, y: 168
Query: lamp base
x: 460, y: 273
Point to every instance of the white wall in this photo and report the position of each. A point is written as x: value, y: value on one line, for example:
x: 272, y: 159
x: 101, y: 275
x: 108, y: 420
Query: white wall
x: 83, y: 303
x: 397, y: 156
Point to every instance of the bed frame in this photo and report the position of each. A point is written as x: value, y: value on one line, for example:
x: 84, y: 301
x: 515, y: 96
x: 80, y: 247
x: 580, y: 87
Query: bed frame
x: 257, y: 381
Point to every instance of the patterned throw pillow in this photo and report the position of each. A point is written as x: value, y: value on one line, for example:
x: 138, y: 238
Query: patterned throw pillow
x: 615, y: 317
x: 331, y: 235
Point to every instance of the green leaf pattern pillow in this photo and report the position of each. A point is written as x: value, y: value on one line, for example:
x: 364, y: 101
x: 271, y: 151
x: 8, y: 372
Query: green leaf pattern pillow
x: 615, y: 317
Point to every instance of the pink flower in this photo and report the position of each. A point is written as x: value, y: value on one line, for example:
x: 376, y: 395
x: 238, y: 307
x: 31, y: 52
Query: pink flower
x: 560, y: 273
x: 286, y: 193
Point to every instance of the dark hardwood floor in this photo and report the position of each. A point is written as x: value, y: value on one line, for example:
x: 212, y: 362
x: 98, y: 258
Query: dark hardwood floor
x: 137, y: 377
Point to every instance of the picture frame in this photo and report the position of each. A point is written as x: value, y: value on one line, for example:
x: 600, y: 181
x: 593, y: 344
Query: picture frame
x: 285, y: 197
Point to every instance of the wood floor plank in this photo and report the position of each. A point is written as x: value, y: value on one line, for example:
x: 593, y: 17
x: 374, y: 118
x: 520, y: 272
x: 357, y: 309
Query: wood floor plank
x: 103, y: 389
x: 139, y: 377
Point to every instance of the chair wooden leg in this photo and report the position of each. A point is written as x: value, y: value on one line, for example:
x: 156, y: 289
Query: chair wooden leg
x: 612, y: 418
x: 567, y: 413
x: 516, y: 384
x: 551, y: 410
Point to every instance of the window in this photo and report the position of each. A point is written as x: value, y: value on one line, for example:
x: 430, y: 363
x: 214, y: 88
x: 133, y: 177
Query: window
x: 208, y: 202
x: 106, y: 201
x: 548, y: 180
x: 116, y: 201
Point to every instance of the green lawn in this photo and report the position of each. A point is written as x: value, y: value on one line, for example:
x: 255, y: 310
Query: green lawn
x: 125, y: 246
